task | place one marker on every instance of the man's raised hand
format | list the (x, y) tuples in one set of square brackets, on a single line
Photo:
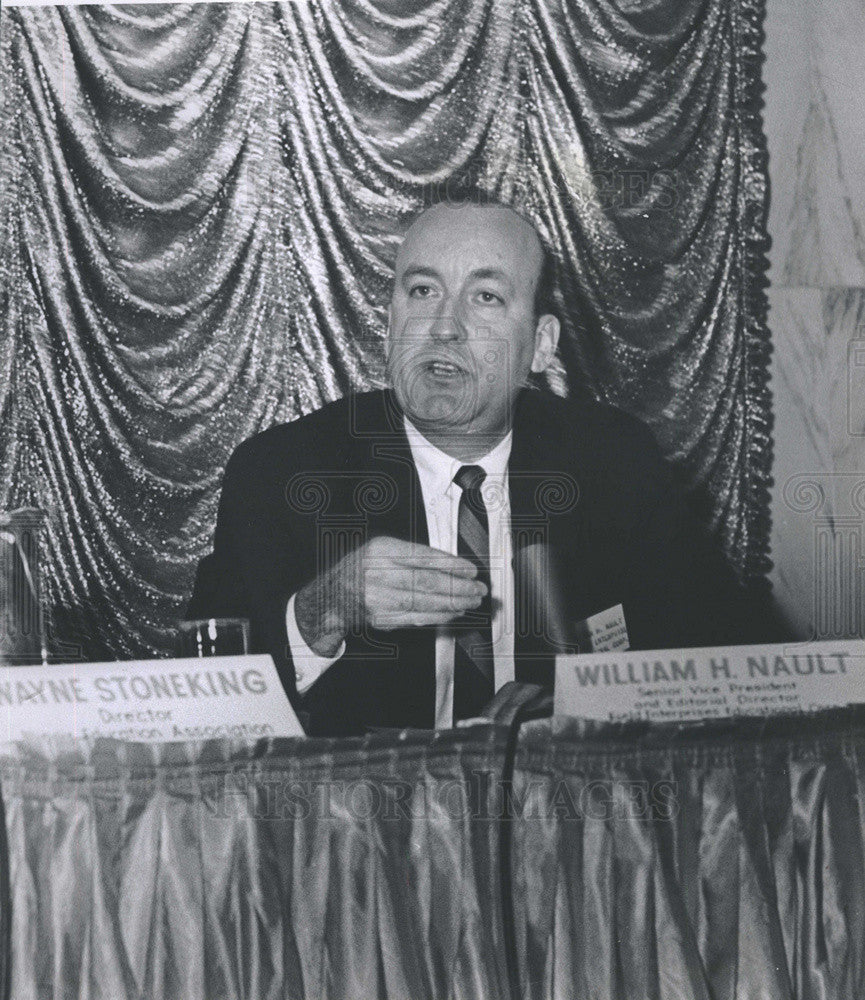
[(385, 584)]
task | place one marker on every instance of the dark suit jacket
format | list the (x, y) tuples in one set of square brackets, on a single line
[(585, 478)]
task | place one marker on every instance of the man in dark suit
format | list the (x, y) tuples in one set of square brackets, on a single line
[(403, 553)]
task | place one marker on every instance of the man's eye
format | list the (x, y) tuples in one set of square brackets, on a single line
[(420, 291), (489, 298)]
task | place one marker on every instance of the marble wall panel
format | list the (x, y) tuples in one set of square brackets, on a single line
[(814, 118), (815, 123), (818, 383)]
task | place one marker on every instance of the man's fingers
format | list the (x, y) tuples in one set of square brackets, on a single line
[(414, 585), (436, 581), (387, 601), (412, 619), (420, 556), (423, 581)]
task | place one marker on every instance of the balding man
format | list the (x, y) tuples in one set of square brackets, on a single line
[(379, 547)]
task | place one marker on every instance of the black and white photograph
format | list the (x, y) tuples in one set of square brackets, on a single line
[(432, 500)]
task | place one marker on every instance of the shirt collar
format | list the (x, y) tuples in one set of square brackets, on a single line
[(438, 468)]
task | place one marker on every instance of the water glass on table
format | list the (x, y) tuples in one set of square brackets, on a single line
[(199, 637)]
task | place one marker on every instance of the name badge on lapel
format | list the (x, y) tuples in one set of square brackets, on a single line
[(604, 632)]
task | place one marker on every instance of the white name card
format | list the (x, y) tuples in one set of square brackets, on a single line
[(147, 701), (686, 685), (607, 630)]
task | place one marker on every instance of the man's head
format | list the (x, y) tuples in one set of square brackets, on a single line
[(465, 326)]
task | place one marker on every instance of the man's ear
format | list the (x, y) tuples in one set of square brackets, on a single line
[(546, 341)]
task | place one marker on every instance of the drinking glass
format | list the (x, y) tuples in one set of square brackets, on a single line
[(198, 637)]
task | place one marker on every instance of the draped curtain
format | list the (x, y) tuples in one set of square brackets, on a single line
[(201, 208)]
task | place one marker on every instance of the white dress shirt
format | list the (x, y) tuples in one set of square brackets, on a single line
[(441, 497)]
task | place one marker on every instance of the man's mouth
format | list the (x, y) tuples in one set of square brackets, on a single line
[(444, 369)]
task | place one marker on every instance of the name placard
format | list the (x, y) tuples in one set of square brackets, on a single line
[(147, 701), (682, 685)]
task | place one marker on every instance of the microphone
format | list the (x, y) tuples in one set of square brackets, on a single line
[(543, 613)]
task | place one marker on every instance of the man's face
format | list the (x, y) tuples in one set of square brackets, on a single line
[(462, 334)]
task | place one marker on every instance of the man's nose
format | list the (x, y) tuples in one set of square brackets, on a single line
[(447, 326)]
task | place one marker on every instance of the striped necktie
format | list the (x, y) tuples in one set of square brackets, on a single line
[(473, 646)]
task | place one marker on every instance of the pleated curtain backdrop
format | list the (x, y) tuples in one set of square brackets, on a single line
[(711, 863), (201, 205)]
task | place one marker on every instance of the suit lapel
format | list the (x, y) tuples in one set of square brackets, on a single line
[(390, 498)]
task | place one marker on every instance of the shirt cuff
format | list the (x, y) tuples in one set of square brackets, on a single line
[(308, 665)]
